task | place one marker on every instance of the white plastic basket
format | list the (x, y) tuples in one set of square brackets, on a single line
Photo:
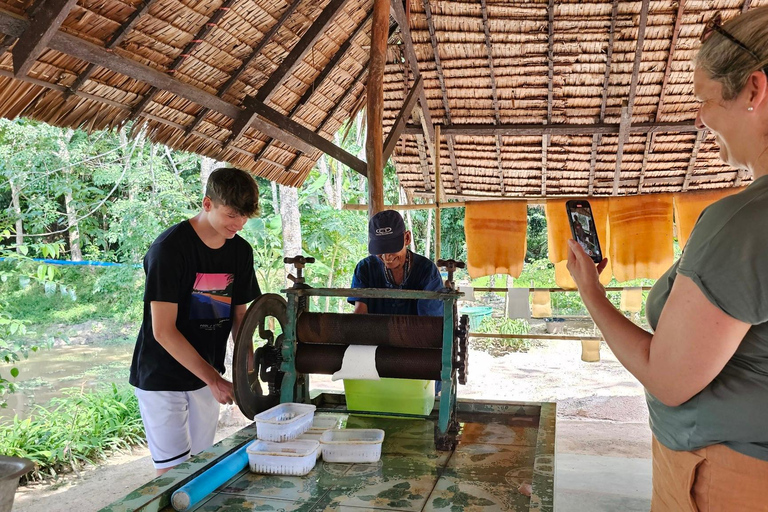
[(311, 435), (295, 458), (284, 422), (352, 445), (321, 423)]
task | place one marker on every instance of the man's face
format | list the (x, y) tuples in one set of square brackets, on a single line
[(395, 260), (226, 221)]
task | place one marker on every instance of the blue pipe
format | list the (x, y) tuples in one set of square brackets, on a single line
[(201, 486), (80, 263)]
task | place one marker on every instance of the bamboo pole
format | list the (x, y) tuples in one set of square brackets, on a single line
[(404, 207), (374, 144), (532, 336), (438, 194)]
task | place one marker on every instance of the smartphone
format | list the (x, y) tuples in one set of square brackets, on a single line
[(583, 227)]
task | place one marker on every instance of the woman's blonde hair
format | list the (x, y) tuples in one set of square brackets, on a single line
[(728, 63)]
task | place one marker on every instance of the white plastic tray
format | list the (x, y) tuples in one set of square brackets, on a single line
[(284, 422), (352, 445), (321, 423), (311, 435), (296, 458)]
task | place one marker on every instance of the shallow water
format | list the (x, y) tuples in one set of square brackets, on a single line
[(45, 373)]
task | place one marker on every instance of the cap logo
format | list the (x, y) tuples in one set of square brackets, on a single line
[(383, 231)]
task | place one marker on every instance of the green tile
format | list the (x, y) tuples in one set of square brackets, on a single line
[(482, 460), (497, 433), (234, 503), (456, 494), (310, 488)]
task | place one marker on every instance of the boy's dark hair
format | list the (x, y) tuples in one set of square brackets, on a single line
[(234, 188)]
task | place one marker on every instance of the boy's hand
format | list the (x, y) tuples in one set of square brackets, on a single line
[(222, 390)]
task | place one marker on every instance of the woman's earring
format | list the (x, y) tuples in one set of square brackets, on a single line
[(750, 109)]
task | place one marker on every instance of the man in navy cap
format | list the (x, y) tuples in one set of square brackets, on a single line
[(392, 265)]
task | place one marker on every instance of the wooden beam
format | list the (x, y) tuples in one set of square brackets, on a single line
[(441, 81), (203, 32), (597, 138), (438, 194), (46, 22), (545, 139), (255, 52), (692, 161), (299, 51), (544, 147), (402, 116), (423, 161), (626, 121), (306, 135), (491, 130), (627, 107), (644, 165), (340, 54), (116, 39), (668, 68), (494, 92), (398, 12), (374, 142)]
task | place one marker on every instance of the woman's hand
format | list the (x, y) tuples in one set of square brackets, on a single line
[(585, 273)]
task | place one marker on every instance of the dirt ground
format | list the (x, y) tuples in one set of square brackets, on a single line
[(601, 411)]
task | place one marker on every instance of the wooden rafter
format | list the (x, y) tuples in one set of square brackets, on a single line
[(402, 116), (626, 121), (556, 129), (280, 127), (299, 51), (255, 108), (398, 12), (545, 139), (331, 113), (116, 39), (596, 138), (6, 43), (644, 165), (46, 22), (340, 54), (670, 58), (494, 92), (441, 81), (204, 30), (626, 110), (692, 161), (423, 161), (255, 52)]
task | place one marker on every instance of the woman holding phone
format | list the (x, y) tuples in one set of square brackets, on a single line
[(705, 367)]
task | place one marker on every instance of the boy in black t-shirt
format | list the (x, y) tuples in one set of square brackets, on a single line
[(200, 278)]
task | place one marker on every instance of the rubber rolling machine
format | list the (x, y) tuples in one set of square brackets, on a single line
[(277, 369)]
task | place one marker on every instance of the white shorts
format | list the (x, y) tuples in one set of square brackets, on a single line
[(178, 424)]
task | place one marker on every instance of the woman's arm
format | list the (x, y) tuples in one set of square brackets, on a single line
[(693, 340)]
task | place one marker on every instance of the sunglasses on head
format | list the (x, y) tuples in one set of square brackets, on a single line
[(715, 25)]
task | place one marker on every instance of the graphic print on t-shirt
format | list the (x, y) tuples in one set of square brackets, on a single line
[(211, 297)]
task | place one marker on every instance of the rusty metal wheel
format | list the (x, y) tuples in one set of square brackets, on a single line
[(256, 358)]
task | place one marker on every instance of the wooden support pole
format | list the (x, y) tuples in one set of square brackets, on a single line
[(438, 193), (374, 144), (692, 161), (399, 125), (44, 24)]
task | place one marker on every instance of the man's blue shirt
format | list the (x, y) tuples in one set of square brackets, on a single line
[(422, 275)]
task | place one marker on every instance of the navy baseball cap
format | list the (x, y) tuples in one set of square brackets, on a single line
[(386, 233)]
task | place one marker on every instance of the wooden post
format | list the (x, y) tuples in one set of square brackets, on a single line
[(374, 144), (438, 192)]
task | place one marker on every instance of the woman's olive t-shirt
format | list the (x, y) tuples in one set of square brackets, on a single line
[(727, 257)]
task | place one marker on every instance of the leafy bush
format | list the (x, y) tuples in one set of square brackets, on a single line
[(79, 428), (502, 325)]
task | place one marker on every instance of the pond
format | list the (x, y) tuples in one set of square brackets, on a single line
[(45, 373)]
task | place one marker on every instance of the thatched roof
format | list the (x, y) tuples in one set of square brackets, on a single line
[(529, 94)]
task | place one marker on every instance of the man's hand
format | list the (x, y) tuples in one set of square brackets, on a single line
[(222, 390)]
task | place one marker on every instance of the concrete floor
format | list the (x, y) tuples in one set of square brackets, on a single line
[(588, 483)]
